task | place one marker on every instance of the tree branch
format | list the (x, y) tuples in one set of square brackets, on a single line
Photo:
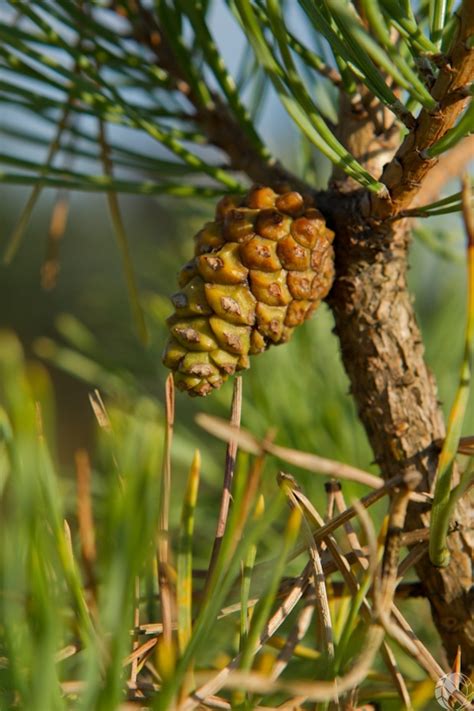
[(381, 344), (404, 175), (218, 122), (450, 166)]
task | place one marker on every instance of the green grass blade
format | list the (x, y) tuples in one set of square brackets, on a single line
[(234, 549), (185, 555), (246, 579), (263, 608)]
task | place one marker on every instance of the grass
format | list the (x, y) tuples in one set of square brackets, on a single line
[(82, 625)]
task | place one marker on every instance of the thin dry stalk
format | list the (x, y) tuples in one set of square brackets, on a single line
[(342, 518), (136, 623), (139, 652), (69, 651), (150, 628), (466, 444), (341, 561), (231, 454), (368, 526), (280, 615), (319, 691), (384, 588), (311, 462), (85, 519), (166, 596), (297, 499), (407, 638), (100, 411), (57, 227), (397, 677), (313, 691), (344, 562), (387, 654), (351, 534), (215, 702), (252, 484), (293, 703), (412, 558), (330, 488), (296, 635), (396, 524)]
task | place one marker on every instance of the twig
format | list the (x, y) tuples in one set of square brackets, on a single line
[(136, 622), (277, 619), (297, 499), (100, 411), (405, 173), (85, 518), (311, 462), (352, 536), (387, 654), (396, 523), (231, 454), (296, 635), (313, 691), (163, 542), (138, 652), (405, 636), (450, 165), (397, 676)]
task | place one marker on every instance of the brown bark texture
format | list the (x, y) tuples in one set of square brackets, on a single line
[(381, 344)]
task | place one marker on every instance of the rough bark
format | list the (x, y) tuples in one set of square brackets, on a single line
[(381, 344), (404, 174), (395, 392)]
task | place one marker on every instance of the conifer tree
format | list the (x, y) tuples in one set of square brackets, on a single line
[(381, 89)]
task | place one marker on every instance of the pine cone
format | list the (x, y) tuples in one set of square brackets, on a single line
[(260, 269)]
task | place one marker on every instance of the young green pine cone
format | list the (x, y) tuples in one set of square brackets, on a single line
[(260, 269)]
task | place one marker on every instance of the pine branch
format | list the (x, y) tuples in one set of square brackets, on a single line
[(449, 166), (405, 173), (217, 121), (380, 340)]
